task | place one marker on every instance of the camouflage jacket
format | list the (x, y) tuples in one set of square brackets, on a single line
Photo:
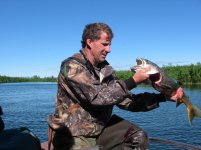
[(86, 96)]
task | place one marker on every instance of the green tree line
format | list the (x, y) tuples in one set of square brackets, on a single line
[(187, 74), (7, 79)]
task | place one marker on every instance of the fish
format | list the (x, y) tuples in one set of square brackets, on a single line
[(166, 85)]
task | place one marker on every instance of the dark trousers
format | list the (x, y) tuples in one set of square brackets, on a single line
[(120, 134)]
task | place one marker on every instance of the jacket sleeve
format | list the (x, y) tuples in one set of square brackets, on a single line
[(86, 89), (142, 102)]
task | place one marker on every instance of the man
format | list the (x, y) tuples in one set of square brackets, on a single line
[(88, 89)]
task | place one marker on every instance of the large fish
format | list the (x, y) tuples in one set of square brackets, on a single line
[(167, 85)]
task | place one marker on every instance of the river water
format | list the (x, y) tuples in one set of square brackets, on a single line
[(29, 104)]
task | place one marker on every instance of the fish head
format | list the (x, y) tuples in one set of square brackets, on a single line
[(143, 64), (156, 75)]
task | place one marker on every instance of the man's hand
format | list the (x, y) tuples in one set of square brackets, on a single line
[(141, 76), (178, 95)]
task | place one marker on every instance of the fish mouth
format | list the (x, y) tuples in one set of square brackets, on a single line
[(140, 61), (139, 65), (135, 68), (144, 63)]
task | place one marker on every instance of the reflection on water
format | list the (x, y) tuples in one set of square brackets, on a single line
[(29, 104)]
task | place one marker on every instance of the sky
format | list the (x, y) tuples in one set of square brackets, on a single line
[(37, 35)]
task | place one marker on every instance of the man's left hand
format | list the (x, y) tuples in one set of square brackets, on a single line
[(178, 95)]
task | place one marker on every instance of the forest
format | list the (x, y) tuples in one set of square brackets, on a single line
[(7, 79), (187, 74)]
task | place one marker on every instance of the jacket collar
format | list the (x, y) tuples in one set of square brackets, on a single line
[(105, 70)]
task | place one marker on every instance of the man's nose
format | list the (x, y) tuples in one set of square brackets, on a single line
[(107, 48)]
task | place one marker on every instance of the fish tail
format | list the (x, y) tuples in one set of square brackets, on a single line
[(193, 111)]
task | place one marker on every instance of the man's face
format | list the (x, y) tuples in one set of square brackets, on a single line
[(100, 48)]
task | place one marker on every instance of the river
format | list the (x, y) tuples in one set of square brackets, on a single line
[(29, 104)]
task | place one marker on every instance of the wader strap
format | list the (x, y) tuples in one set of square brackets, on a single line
[(49, 138)]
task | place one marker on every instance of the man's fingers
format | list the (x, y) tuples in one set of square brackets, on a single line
[(180, 92)]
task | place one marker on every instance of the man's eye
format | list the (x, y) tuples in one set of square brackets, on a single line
[(105, 44)]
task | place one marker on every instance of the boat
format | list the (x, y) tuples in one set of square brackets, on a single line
[(174, 144)]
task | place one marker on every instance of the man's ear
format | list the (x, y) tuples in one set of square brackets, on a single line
[(89, 43)]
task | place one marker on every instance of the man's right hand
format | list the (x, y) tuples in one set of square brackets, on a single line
[(141, 75)]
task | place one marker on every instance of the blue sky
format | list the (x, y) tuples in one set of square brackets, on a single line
[(36, 35)]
